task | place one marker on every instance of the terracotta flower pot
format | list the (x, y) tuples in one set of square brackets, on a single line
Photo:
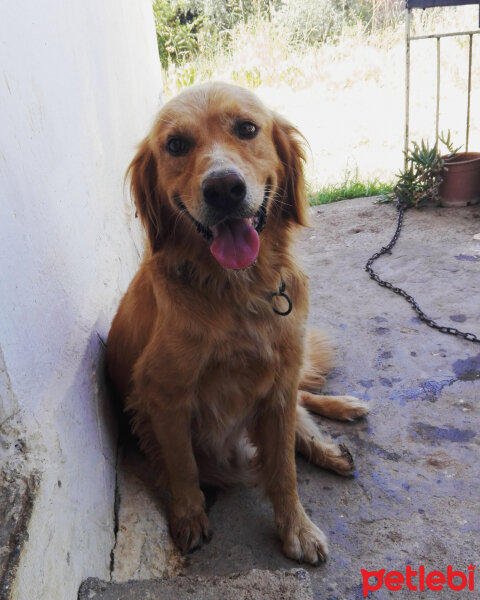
[(461, 180)]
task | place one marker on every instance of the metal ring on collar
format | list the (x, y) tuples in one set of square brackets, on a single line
[(281, 294)]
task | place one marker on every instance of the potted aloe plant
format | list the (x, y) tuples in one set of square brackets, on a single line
[(451, 179), (461, 179)]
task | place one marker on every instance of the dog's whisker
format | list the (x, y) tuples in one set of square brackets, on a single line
[(178, 217)]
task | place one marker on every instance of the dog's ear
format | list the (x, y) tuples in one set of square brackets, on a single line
[(289, 143), (144, 188)]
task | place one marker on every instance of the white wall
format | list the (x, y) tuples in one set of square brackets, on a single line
[(79, 85)]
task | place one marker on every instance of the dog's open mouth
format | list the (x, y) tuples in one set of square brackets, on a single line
[(234, 242)]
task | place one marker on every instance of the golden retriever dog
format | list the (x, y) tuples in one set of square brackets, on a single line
[(209, 349)]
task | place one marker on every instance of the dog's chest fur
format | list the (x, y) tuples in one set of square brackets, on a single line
[(249, 360)]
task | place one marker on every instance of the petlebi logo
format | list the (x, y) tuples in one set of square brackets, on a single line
[(419, 580)]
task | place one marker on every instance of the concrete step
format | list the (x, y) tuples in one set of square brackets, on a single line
[(256, 584)]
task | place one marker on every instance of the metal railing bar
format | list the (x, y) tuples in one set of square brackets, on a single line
[(407, 86), (469, 91), (441, 35), (437, 114)]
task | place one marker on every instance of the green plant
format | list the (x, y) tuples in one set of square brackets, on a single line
[(177, 27), (250, 77), (351, 187), (200, 30), (225, 14), (308, 23), (420, 181)]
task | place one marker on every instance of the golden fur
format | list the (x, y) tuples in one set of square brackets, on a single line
[(206, 369)]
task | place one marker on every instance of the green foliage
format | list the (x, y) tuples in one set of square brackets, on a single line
[(312, 22), (447, 142), (249, 77), (189, 28), (185, 75), (352, 187), (420, 181), (225, 14), (177, 28), (309, 22)]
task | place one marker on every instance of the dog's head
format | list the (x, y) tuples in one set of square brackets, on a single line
[(218, 161)]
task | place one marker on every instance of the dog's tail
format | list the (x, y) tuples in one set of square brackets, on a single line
[(317, 362)]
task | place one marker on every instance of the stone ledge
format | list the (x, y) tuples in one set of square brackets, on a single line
[(253, 585)]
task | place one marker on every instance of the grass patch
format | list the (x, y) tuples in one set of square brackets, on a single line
[(350, 189)]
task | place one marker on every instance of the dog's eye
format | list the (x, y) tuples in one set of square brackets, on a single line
[(246, 130), (177, 146)]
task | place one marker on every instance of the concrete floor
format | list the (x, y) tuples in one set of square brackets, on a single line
[(415, 497)]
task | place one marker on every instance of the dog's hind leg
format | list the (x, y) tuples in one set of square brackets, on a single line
[(323, 453), (341, 408), (318, 361)]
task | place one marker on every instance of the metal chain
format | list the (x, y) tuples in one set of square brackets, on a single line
[(396, 290)]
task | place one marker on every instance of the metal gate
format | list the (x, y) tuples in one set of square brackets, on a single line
[(411, 4)]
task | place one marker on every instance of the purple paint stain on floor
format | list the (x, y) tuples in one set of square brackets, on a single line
[(467, 369), (433, 388), (360, 395), (358, 591), (366, 383), (427, 390), (380, 451), (435, 435), (467, 257), (381, 357)]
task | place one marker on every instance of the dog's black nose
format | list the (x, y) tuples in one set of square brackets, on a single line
[(224, 190)]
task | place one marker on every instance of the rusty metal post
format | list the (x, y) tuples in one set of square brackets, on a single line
[(469, 92), (407, 84), (437, 113)]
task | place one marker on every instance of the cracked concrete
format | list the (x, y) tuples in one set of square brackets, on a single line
[(18, 485), (143, 548), (17, 495), (414, 499)]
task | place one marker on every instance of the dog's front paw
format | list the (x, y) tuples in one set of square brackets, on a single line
[(304, 541), (190, 531)]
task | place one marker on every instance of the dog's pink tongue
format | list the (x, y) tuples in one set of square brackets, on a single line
[(235, 243)]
